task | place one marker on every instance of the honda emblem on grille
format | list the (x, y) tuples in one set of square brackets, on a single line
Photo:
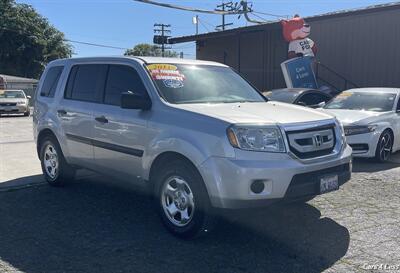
[(317, 140)]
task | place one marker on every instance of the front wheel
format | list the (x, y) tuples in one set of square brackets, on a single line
[(384, 147), (182, 200)]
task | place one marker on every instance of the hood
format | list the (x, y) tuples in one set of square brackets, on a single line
[(257, 112), (354, 116)]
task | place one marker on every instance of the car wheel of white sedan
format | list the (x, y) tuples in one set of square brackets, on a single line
[(384, 148)]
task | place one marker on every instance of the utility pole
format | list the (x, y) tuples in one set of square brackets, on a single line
[(160, 37), (225, 6)]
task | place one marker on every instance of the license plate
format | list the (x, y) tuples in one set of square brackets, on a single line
[(329, 183), (7, 108)]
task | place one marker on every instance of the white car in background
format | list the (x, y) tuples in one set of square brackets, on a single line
[(14, 102), (371, 120)]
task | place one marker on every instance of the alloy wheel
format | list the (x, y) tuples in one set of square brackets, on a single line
[(50, 161), (385, 146), (177, 201)]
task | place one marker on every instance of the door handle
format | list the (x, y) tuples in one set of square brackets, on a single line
[(102, 119), (61, 112)]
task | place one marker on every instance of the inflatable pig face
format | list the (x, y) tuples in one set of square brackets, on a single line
[(295, 29)]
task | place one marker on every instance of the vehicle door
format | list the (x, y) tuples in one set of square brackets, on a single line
[(120, 134), (75, 111)]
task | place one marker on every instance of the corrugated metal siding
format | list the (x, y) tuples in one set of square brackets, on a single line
[(362, 47)]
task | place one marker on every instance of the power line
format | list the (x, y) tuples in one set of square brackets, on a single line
[(165, 5), (272, 15), (67, 40), (259, 17), (93, 44), (200, 21)]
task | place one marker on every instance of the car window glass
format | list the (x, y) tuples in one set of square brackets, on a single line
[(51, 81), (121, 79), (313, 99), (12, 95), (86, 82), (367, 101), (398, 104)]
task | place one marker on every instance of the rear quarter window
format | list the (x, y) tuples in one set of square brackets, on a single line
[(51, 81)]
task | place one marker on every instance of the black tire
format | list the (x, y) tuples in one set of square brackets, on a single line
[(384, 147), (27, 114), (64, 173), (202, 219)]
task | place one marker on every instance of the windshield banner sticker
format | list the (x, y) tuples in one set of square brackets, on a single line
[(165, 72)]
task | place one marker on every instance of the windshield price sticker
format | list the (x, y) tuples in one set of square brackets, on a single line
[(165, 72)]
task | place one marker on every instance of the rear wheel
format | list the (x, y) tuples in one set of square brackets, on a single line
[(56, 170), (182, 200), (384, 147)]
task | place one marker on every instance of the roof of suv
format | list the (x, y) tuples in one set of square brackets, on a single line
[(150, 60)]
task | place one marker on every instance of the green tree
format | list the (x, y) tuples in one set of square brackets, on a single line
[(28, 41), (149, 50)]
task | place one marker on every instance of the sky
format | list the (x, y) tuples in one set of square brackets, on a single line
[(125, 23)]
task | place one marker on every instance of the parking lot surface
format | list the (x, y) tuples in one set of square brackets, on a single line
[(99, 225)]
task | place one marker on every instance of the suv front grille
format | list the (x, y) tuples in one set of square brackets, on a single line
[(8, 104), (312, 142)]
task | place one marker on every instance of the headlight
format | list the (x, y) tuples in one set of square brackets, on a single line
[(357, 130), (21, 102), (256, 138)]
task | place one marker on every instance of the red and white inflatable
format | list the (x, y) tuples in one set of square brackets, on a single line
[(296, 32)]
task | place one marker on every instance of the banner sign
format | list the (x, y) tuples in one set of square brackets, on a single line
[(299, 73)]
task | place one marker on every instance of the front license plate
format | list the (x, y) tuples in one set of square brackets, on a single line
[(8, 108), (329, 183)]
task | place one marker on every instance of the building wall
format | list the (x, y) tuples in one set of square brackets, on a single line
[(255, 54), (362, 47)]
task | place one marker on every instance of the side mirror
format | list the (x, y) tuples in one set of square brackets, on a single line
[(29, 97), (130, 100)]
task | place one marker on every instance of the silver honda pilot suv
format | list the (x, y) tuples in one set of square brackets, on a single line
[(195, 133)]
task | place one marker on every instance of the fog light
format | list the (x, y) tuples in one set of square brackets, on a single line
[(257, 186)]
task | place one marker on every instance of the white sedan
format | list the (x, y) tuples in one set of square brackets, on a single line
[(371, 120)]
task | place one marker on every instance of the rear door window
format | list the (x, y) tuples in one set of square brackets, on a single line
[(122, 78), (86, 82), (51, 81)]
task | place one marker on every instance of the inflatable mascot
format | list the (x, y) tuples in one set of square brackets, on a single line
[(296, 32)]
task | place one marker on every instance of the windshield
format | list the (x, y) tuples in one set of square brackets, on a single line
[(283, 96), (181, 83), (12, 95), (367, 101)]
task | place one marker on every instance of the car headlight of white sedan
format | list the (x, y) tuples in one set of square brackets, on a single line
[(256, 138), (359, 129)]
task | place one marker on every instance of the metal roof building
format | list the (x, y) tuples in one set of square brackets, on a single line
[(355, 48), (18, 83)]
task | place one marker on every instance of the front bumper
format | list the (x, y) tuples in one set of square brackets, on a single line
[(364, 145), (18, 109), (228, 180)]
